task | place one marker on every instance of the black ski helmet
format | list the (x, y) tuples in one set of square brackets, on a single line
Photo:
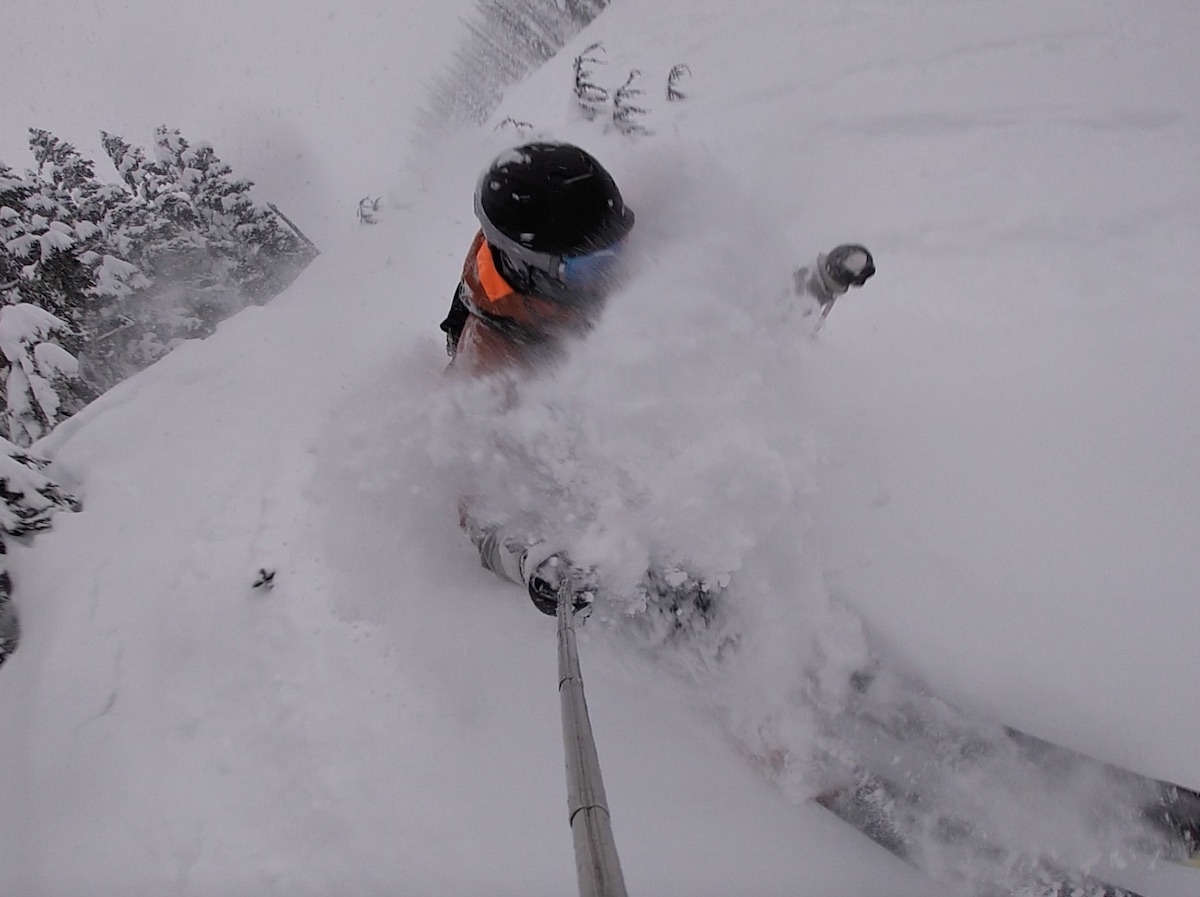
[(542, 203)]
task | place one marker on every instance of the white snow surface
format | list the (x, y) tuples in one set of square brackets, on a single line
[(987, 454)]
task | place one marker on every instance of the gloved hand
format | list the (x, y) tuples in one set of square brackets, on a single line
[(549, 576), (845, 266)]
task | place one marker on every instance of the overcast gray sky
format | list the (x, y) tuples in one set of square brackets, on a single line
[(278, 110)]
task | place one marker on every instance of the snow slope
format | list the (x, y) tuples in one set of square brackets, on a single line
[(986, 453)]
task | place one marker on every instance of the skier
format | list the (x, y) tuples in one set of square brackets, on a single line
[(552, 225)]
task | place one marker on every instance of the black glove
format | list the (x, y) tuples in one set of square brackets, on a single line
[(848, 265), (551, 576)]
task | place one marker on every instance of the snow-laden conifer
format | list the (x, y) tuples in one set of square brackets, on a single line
[(130, 269), (38, 371), (28, 500)]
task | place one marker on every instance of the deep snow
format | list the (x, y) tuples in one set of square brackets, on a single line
[(987, 453)]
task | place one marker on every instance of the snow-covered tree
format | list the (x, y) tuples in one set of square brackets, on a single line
[(124, 271), (28, 500), (48, 289), (13, 191), (96, 212), (93, 209), (38, 371), (39, 237), (69, 265), (206, 246), (188, 287), (265, 254), (30, 497), (142, 177)]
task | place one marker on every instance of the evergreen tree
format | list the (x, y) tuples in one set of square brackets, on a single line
[(266, 253), (13, 191), (96, 274), (30, 497), (46, 288), (69, 181), (100, 280), (39, 237), (38, 372), (164, 233), (152, 232), (29, 500), (207, 247), (96, 212), (143, 178)]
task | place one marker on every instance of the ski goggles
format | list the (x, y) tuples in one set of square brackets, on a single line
[(572, 279), (592, 271)]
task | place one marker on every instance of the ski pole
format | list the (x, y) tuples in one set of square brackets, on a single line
[(596, 862)]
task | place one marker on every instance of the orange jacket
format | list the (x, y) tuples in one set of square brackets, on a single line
[(504, 329)]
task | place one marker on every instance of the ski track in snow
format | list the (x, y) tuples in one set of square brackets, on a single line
[(987, 454)]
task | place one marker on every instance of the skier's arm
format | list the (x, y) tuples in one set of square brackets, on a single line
[(517, 553), (508, 551)]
